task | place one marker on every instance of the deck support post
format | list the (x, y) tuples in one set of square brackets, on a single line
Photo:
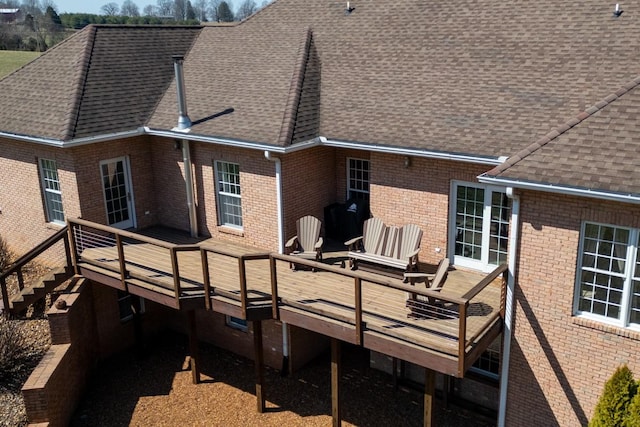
[(335, 382), (259, 364), (193, 347), (394, 370), (429, 396)]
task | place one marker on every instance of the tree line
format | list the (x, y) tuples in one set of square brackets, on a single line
[(38, 26)]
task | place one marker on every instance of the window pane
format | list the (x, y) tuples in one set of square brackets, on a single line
[(358, 182), (604, 254), (51, 189), (229, 198)]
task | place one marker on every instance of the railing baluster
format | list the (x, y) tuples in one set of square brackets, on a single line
[(358, 296), (20, 279), (206, 278), (462, 335), (121, 261), (5, 295), (274, 288), (176, 274), (243, 286)]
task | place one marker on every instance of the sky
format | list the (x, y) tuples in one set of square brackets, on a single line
[(93, 6)]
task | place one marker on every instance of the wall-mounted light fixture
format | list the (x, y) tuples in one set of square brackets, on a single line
[(407, 161), (617, 11), (349, 9)]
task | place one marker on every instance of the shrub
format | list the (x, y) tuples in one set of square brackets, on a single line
[(611, 409), (14, 348), (632, 419), (5, 255)]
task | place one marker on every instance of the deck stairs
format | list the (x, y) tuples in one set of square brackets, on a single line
[(38, 290)]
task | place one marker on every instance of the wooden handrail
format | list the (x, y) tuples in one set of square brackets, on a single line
[(485, 282), (16, 266)]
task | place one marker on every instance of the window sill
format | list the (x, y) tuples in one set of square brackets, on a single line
[(604, 327), (230, 230), (55, 226)]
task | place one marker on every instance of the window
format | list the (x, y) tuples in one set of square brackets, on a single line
[(488, 364), (228, 189), (358, 179), (237, 323), (481, 214), (608, 278), (126, 303), (51, 190)]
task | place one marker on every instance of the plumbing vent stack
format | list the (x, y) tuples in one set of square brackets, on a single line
[(184, 123)]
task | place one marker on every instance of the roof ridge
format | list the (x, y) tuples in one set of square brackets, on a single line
[(257, 12), (559, 130), (78, 93), (293, 98)]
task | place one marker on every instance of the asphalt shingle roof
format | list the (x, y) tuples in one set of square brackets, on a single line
[(103, 79), (480, 78), (596, 150)]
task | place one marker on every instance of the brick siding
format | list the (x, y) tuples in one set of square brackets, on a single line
[(560, 363)]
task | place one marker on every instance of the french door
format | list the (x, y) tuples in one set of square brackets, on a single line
[(116, 186)]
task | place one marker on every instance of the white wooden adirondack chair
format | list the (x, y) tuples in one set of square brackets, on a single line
[(307, 243)]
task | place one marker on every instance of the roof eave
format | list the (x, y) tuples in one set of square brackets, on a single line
[(561, 189), (52, 142)]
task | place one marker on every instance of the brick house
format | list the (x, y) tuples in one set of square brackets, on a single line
[(505, 132)]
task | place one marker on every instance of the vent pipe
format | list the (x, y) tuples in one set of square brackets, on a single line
[(184, 123)]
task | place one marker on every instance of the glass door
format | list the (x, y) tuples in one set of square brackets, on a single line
[(116, 185)]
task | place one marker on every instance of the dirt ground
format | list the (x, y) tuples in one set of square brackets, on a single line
[(156, 390)]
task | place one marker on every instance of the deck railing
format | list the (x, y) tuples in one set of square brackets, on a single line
[(87, 235), (447, 307), (17, 267)]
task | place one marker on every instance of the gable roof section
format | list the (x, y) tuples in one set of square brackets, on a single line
[(104, 79), (596, 153), (240, 83)]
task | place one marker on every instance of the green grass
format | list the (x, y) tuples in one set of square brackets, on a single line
[(12, 60)]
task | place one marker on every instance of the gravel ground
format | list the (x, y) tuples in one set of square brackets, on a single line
[(156, 390)]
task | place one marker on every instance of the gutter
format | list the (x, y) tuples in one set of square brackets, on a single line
[(74, 142), (510, 300), (429, 154), (559, 189)]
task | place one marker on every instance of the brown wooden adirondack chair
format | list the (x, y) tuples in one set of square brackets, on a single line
[(433, 282), (307, 243)]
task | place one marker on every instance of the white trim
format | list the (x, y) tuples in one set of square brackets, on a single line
[(348, 171), (509, 302), (623, 321), (562, 189), (229, 321), (483, 263), (74, 142), (46, 192), (221, 219), (129, 187)]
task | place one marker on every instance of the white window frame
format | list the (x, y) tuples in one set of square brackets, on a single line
[(488, 357), (483, 263), (351, 191), (220, 194), (632, 263), (51, 190)]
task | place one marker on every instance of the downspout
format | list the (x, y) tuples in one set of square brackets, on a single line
[(285, 328), (184, 125), (188, 181), (509, 301)]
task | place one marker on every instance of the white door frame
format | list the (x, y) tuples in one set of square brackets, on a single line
[(131, 221)]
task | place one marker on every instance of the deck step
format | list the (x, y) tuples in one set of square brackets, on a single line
[(39, 289)]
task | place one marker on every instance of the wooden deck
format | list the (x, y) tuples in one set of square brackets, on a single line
[(360, 307)]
